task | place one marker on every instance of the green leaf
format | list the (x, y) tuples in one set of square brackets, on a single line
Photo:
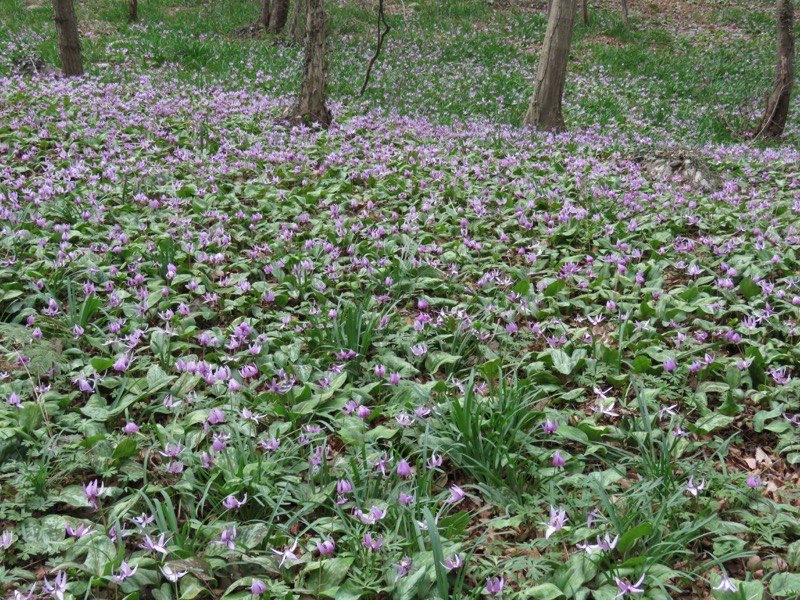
[(749, 288), (712, 422), (100, 364), (630, 537), (72, 495), (125, 449), (436, 360), (543, 591), (641, 364), (785, 585), (96, 408)]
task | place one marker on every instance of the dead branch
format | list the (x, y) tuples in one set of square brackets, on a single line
[(381, 36)]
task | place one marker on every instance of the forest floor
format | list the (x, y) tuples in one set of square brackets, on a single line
[(426, 353)]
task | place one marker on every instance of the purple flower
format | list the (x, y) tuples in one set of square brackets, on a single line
[(216, 416), (558, 460), (228, 538), (232, 503), (92, 492), (373, 544), (695, 488), (754, 481), (122, 363), (172, 574), (495, 585), (257, 587), (453, 562), (130, 428), (286, 554), (434, 461), (726, 585), (405, 499), (58, 587), (670, 365), (403, 468), (629, 588), (14, 400), (549, 427), (80, 531), (456, 495), (125, 571), (6, 540), (558, 518), (404, 567), (326, 547), (159, 545)]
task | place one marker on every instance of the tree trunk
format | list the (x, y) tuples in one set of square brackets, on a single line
[(777, 112), (279, 15), (586, 12), (625, 12), (133, 10), (309, 107), (295, 31), (544, 110), (69, 43), (263, 16)]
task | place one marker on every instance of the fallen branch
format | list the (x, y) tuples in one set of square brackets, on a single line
[(381, 36)]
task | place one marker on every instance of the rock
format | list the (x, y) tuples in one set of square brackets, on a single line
[(679, 165)]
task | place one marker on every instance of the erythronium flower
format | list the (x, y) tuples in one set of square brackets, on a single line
[(550, 427), (456, 495), (695, 488), (726, 585), (403, 468), (373, 544), (228, 537), (17, 595), (629, 588), (257, 587), (754, 481), (80, 531), (125, 571), (558, 518), (58, 587), (6, 539), (495, 585), (558, 460), (453, 562), (404, 567), (286, 554), (434, 461), (171, 574), (232, 503), (92, 491), (326, 547), (670, 365), (159, 545), (605, 409)]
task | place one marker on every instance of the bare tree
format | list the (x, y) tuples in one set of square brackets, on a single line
[(625, 12), (263, 15), (309, 107), (295, 31), (544, 110), (69, 42), (777, 112), (586, 12), (133, 10), (278, 15)]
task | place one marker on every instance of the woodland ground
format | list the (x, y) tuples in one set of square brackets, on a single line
[(426, 353)]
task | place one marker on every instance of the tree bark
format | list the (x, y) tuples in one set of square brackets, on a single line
[(586, 12), (625, 12), (776, 114), (133, 10), (544, 110), (294, 29), (69, 43), (278, 16), (309, 107), (263, 16)]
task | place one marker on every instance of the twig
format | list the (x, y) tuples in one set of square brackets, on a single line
[(381, 36)]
